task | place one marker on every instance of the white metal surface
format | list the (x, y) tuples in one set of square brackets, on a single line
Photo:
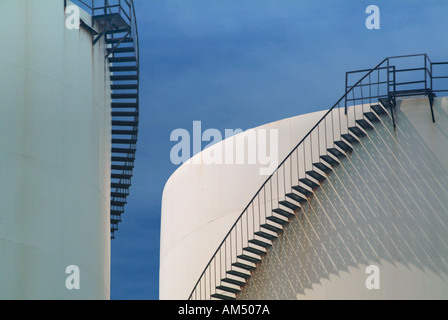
[(54, 155), (385, 205)]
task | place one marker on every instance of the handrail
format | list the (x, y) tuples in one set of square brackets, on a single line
[(338, 121)]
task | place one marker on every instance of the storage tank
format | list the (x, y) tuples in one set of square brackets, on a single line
[(356, 209), (55, 155)]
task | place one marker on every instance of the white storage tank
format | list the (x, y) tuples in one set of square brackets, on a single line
[(55, 151)]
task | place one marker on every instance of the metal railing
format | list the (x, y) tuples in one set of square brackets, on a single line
[(354, 106)]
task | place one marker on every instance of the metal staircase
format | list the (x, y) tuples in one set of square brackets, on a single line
[(117, 21), (368, 101)]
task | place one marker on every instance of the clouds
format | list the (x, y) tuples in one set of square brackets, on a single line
[(239, 64)]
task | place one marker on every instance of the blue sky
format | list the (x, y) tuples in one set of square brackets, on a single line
[(240, 64)]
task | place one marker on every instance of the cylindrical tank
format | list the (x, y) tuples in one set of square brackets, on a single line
[(375, 229), (55, 142)]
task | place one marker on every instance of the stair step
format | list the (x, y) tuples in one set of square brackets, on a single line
[(249, 258), (233, 281), (302, 190), (364, 124), (243, 266), (118, 195), (123, 123), (260, 243), (122, 50), (122, 168), (322, 167), (288, 203), (120, 185), (239, 274), (222, 297), (124, 95), (338, 154), (272, 228), (121, 30), (124, 86), (379, 110), (124, 150), (124, 105), (296, 197), (316, 175), (124, 141), (357, 131), (283, 213), (350, 138), (266, 235), (277, 220), (122, 159), (309, 183), (344, 146), (385, 102), (121, 176), (121, 39), (117, 203), (124, 78), (122, 59), (371, 116), (122, 69), (330, 160), (228, 289), (255, 251), (124, 132)]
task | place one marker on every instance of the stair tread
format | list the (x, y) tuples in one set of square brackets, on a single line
[(364, 124), (378, 109), (336, 153), (289, 203), (350, 138), (233, 281), (271, 228), (283, 213), (260, 243), (322, 167), (314, 174), (239, 274), (330, 160), (254, 251), (277, 220), (302, 190), (309, 183), (243, 266), (357, 131), (371, 116), (296, 197), (344, 146), (249, 258), (266, 235)]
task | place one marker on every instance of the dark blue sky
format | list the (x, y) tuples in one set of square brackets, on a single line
[(240, 64)]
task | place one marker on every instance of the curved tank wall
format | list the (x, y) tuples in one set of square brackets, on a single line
[(202, 201), (55, 138), (386, 205)]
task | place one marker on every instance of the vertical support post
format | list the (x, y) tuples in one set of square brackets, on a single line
[(346, 90)]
